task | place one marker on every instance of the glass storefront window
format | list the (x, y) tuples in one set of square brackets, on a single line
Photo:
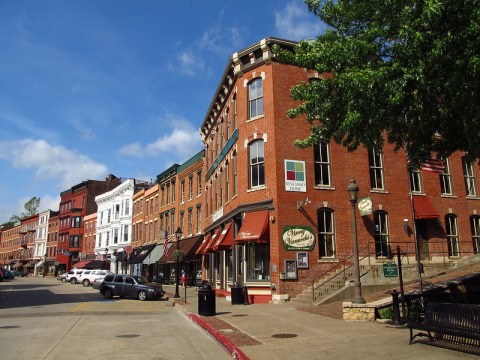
[(257, 261), (229, 260)]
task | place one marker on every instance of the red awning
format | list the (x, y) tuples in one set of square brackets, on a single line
[(423, 208), (81, 264), (225, 240), (209, 247), (254, 227), (202, 246)]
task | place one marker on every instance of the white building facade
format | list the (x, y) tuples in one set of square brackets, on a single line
[(114, 223), (40, 244)]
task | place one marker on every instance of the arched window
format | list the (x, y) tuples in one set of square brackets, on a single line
[(255, 98), (451, 228), (256, 164), (382, 238), (326, 233)]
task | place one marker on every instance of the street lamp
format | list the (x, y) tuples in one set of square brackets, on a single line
[(45, 265), (353, 195), (178, 235)]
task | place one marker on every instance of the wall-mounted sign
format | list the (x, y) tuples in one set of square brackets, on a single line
[(295, 176), (365, 206), (298, 238), (390, 269)]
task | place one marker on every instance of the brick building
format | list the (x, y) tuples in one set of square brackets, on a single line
[(278, 218), (75, 204)]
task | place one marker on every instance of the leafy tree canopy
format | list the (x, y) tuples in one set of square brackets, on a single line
[(403, 70), (31, 208)]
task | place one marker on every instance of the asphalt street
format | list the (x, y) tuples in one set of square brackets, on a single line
[(42, 318)]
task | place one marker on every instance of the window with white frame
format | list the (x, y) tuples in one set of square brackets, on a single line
[(415, 181), (115, 236), (227, 181), (469, 178), (326, 233), (255, 98), (375, 162), (182, 191), (451, 228), (446, 180), (256, 164), (322, 163), (199, 183), (382, 239), (475, 227), (199, 219), (190, 222), (234, 160), (190, 187)]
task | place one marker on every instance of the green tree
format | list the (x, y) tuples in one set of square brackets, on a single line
[(31, 208), (402, 70)]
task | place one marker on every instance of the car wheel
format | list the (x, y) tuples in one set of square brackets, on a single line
[(64, 280), (107, 294), (142, 295), (73, 281), (86, 282)]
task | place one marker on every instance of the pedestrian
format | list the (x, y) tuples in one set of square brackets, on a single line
[(184, 279)]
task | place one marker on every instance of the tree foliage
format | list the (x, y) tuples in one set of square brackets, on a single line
[(403, 70), (31, 208)]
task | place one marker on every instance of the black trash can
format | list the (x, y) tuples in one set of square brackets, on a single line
[(237, 294), (206, 300)]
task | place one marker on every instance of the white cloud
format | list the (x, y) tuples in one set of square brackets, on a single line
[(51, 162), (48, 203), (182, 142), (294, 22), (189, 63)]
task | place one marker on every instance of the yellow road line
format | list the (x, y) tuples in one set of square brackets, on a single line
[(78, 307)]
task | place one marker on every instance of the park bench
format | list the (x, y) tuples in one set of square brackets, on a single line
[(454, 326)]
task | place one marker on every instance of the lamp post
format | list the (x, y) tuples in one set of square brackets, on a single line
[(45, 265), (353, 195), (178, 235)]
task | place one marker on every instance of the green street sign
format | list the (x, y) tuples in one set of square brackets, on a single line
[(390, 269)]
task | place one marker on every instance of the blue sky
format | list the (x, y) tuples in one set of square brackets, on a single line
[(89, 88)]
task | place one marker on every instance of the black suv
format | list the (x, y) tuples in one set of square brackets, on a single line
[(130, 286)]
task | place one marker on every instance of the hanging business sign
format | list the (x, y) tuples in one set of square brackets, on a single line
[(365, 206), (295, 176), (297, 237)]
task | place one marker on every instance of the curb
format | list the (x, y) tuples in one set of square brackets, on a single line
[(235, 352)]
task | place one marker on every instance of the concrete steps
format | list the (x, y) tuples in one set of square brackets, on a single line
[(325, 287)]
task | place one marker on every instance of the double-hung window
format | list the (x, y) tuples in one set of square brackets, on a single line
[(326, 233), (322, 163), (375, 162), (256, 164), (255, 98), (415, 181), (382, 242), (470, 186), (451, 228), (446, 180), (475, 226)]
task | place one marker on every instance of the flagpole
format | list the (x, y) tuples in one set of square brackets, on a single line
[(417, 250)]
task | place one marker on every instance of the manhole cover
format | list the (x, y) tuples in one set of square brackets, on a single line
[(237, 315), (284, 336), (9, 327), (128, 336)]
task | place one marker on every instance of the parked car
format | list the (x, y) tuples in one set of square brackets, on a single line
[(17, 273), (73, 275), (88, 276), (130, 286), (1, 275), (8, 275), (96, 283)]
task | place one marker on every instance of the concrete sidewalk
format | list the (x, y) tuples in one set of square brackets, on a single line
[(279, 331)]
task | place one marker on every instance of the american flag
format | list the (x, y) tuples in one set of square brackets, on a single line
[(168, 240), (432, 165)]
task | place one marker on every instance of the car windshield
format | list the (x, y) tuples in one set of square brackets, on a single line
[(141, 280)]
